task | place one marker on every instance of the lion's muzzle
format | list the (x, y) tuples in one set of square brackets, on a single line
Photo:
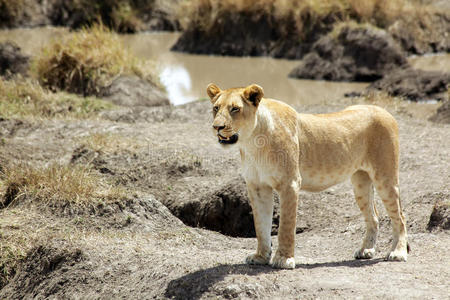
[(228, 140)]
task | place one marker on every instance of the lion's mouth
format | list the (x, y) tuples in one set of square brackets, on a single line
[(228, 140)]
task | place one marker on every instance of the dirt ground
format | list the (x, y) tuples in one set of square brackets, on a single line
[(139, 250)]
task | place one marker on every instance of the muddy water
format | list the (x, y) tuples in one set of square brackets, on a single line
[(186, 76)]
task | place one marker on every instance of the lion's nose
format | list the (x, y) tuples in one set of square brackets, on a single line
[(218, 127)]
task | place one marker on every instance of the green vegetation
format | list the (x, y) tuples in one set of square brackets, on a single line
[(87, 61), (26, 98)]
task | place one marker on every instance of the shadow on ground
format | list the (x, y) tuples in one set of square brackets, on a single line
[(194, 285)]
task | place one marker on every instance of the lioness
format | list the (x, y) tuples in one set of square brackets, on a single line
[(285, 151)]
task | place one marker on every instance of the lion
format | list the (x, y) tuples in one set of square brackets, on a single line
[(286, 151)]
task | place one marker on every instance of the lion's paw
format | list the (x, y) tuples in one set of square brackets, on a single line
[(256, 259), (397, 255), (282, 262), (365, 253)]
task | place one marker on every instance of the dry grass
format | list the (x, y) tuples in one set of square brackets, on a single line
[(12, 251), (26, 98), (119, 15), (384, 100), (110, 143), (305, 13), (337, 27), (123, 18), (87, 61), (56, 184), (22, 227)]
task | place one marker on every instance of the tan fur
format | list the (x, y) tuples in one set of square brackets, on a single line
[(285, 151)]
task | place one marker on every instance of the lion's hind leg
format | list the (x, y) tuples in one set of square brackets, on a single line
[(389, 194), (363, 190)]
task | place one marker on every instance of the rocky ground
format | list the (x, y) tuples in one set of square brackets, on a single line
[(171, 165)]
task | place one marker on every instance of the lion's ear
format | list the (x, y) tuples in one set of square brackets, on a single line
[(253, 93), (212, 91)]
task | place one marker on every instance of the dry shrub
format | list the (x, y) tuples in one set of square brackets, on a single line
[(124, 19), (305, 13), (88, 61), (26, 98), (56, 184), (119, 15)]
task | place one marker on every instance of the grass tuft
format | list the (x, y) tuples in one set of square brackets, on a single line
[(26, 98), (11, 254), (87, 61), (56, 184)]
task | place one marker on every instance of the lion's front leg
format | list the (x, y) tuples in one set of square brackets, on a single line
[(284, 257), (261, 200)]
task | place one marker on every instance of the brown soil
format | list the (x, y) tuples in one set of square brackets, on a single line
[(138, 249)]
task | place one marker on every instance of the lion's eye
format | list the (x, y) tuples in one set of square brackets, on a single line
[(215, 108), (235, 109)]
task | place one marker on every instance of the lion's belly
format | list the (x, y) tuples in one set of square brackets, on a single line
[(315, 181)]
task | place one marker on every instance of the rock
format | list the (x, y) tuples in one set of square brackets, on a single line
[(355, 54), (132, 91), (226, 210), (12, 61), (414, 84), (442, 114), (440, 216)]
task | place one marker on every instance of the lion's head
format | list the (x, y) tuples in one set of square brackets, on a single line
[(234, 111)]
